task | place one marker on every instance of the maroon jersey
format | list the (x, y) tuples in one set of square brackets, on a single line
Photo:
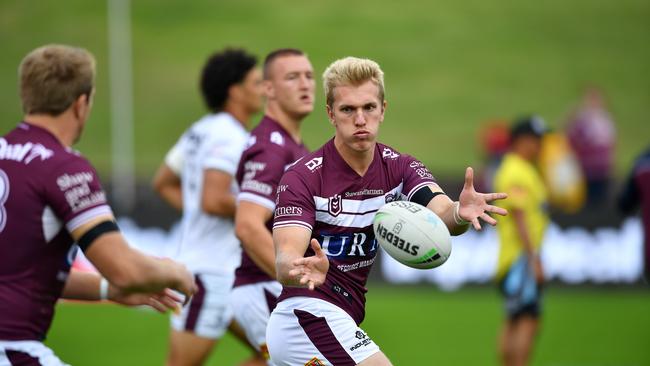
[(269, 152), (324, 195), (46, 191)]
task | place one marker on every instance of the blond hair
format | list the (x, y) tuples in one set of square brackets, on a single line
[(52, 77), (352, 71)]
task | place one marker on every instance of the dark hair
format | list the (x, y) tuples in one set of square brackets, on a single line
[(528, 126), (221, 71), (281, 52)]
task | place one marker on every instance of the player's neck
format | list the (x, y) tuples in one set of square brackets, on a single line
[(58, 126), (290, 123), (359, 161), (239, 112)]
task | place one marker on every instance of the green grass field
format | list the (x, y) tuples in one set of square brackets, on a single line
[(449, 65), (413, 326)]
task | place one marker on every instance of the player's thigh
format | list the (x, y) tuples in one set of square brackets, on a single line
[(188, 349), (209, 312), (308, 331), (252, 306)]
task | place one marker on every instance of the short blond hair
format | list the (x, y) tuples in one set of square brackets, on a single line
[(52, 77), (352, 71)]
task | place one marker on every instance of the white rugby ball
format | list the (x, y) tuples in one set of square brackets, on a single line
[(412, 234)]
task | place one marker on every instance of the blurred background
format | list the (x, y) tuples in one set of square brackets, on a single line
[(457, 72)]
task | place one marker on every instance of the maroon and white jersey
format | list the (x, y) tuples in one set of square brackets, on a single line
[(46, 191), (324, 195), (270, 151)]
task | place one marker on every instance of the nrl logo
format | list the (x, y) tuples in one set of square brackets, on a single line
[(334, 205)]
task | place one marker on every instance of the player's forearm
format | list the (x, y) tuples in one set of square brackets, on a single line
[(81, 286), (173, 196), (445, 209), (223, 205), (258, 243), (284, 264), (522, 231)]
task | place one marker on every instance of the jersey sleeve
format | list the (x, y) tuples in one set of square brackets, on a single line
[(175, 158), (415, 175), (262, 170), (294, 203), (223, 154), (73, 191)]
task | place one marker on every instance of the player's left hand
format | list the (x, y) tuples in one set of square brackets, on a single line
[(474, 205), (161, 302), (311, 271)]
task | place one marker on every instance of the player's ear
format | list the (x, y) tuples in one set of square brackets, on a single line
[(269, 90), (384, 104), (330, 114), (81, 106)]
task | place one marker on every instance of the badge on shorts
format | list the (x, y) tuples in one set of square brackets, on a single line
[(315, 362)]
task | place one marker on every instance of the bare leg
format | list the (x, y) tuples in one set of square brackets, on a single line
[(506, 346), (257, 359), (526, 330), (188, 349)]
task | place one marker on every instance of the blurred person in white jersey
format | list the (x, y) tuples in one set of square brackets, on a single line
[(52, 204), (274, 145), (322, 230), (197, 177)]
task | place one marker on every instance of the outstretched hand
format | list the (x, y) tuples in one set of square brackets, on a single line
[(311, 271), (474, 205), (161, 302)]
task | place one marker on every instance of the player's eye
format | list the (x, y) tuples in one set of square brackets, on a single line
[(346, 109), (369, 107)]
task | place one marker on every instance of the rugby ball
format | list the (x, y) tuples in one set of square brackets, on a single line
[(412, 234)]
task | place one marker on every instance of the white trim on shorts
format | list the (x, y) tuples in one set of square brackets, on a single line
[(251, 305), (209, 312), (35, 349), (309, 331)]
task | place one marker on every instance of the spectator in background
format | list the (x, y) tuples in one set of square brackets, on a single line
[(494, 138), (636, 192), (592, 136), (519, 268)]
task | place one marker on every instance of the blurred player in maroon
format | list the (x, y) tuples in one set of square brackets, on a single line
[(273, 146), (636, 192), (50, 199), (322, 229)]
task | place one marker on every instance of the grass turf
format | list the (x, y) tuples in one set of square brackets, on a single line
[(449, 65), (413, 325)]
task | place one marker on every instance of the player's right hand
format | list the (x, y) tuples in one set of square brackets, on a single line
[(311, 271)]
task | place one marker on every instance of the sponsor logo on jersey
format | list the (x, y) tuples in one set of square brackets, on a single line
[(288, 211), (77, 191), (348, 245), (314, 163), (23, 152), (365, 192), (365, 340), (276, 138), (335, 205), (392, 197), (256, 186), (388, 153)]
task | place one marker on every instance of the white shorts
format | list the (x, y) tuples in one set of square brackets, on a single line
[(27, 353), (209, 313), (305, 331), (252, 305)]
